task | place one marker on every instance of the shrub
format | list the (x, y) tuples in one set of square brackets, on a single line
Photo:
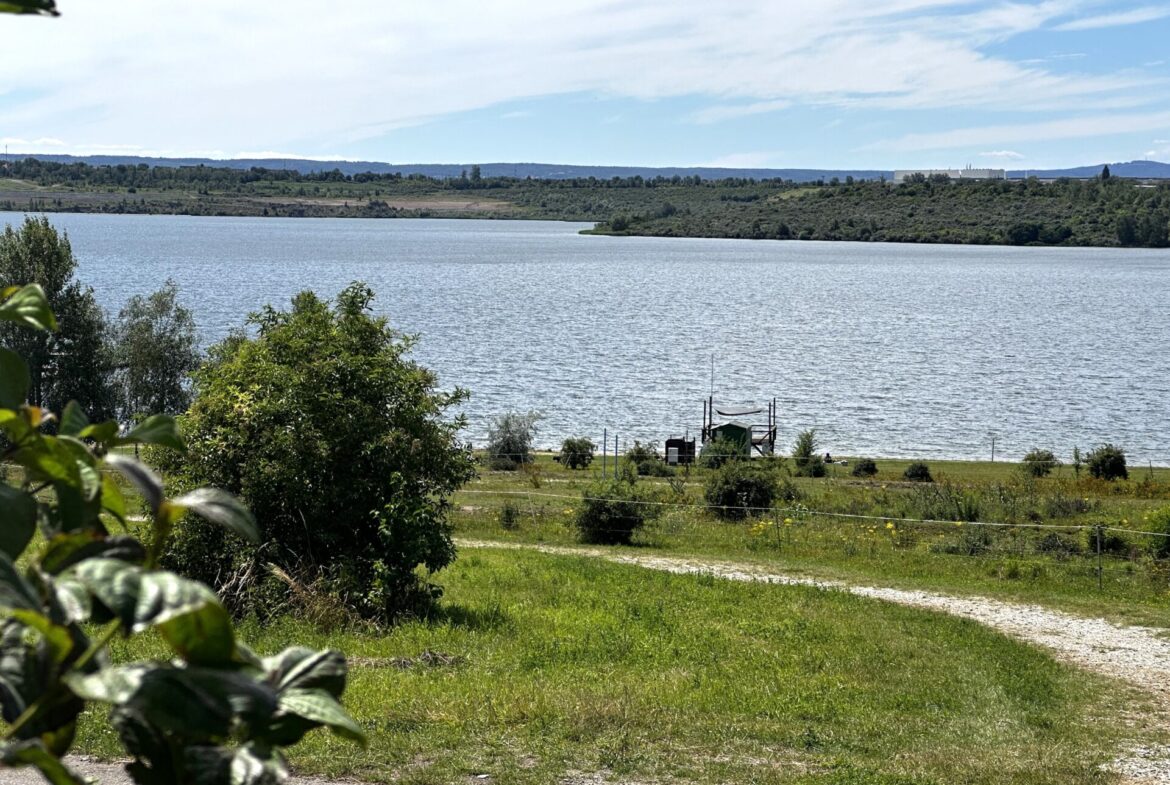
[(805, 455), (576, 453), (610, 513), (207, 708), (1107, 462), (719, 451), (1159, 524), (510, 440), (509, 516), (1040, 463), (740, 489), (322, 393), (917, 472), (646, 460), (864, 467)]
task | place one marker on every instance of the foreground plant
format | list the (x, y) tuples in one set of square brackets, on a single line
[(215, 713)]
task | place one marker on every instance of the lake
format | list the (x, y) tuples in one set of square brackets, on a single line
[(907, 350)]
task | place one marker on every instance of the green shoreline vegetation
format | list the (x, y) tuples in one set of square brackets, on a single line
[(1103, 212)]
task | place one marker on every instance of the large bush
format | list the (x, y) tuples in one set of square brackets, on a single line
[(337, 440), (719, 451), (1107, 462), (917, 472), (510, 440), (741, 489), (1040, 463), (576, 453), (206, 710), (611, 511), (864, 467)]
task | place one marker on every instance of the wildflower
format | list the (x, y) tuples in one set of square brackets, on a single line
[(958, 523), (889, 525)]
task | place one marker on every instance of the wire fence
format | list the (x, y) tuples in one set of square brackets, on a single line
[(1119, 559)]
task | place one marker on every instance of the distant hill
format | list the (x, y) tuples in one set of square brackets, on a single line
[(1139, 170), (538, 171)]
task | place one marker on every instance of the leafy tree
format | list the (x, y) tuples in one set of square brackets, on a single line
[(1107, 462), (72, 363), (154, 353), (510, 440), (210, 710), (577, 453), (1105, 175), (338, 440)]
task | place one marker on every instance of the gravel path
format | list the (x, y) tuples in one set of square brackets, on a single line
[(1137, 655)]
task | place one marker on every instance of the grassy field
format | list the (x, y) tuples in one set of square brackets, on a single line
[(547, 669), (843, 527)]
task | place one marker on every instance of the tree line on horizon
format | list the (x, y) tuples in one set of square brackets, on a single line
[(1104, 211)]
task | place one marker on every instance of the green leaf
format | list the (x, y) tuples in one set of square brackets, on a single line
[(73, 420), (66, 550), (14, 379), (221, 508), (196, 702), (33, 753), (105, 433), (321, 707), (15, 592), (251, 764), (114, 583), (142, 478), (74, 600), (57, 638), (18, 511), (28, 304), (189, 616), (113, 501), (298, 667), (159, 429)]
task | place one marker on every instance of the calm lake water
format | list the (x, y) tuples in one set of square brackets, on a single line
[(885, 349)]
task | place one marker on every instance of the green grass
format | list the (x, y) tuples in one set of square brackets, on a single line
[(1054, 567), (567, 665)]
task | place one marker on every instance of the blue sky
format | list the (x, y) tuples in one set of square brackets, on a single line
[(814, 83)]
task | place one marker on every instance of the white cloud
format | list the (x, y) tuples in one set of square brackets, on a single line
[(284, 74), (1007, 155), (720, 112), (1122, 18), (1066, 128)]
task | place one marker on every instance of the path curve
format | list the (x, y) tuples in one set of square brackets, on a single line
[(1137, 655)]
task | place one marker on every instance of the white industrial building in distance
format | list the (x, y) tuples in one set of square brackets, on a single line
[(955, 174)]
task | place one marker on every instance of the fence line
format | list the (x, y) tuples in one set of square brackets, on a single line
[(826, 513)]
